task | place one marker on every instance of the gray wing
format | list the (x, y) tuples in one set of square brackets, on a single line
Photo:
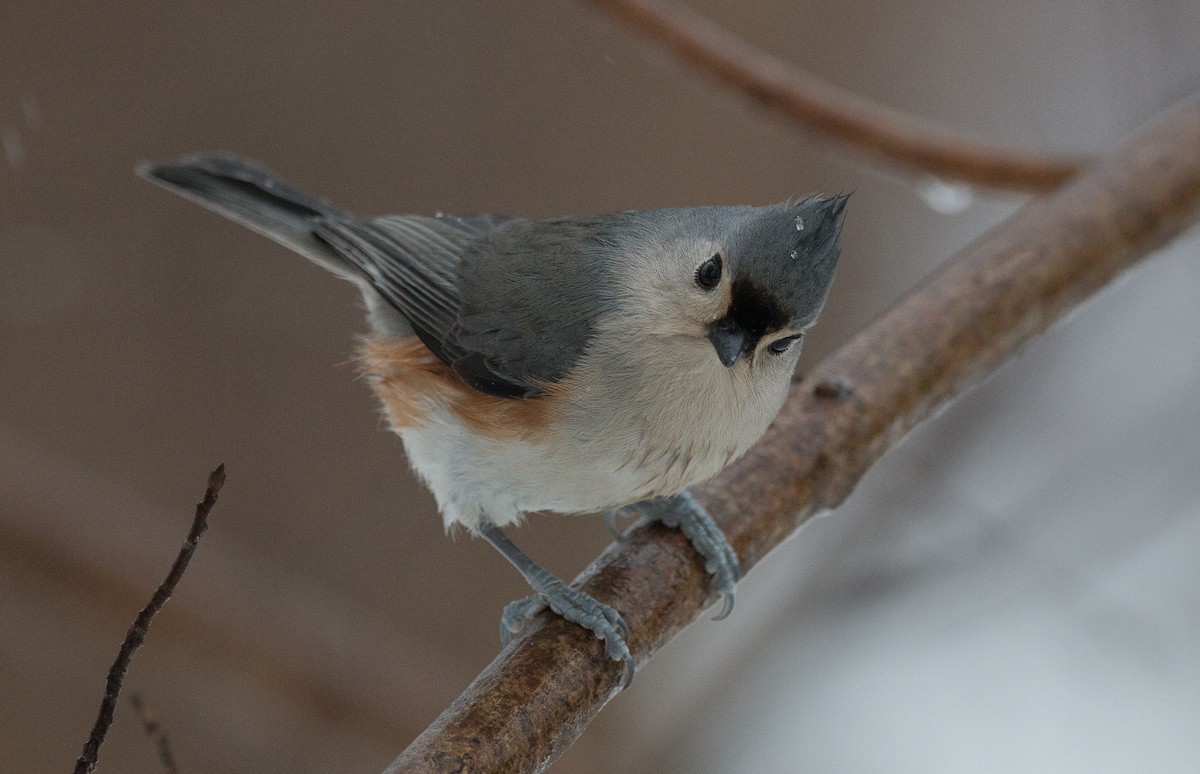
[(412, 261), (530, 300), (477, 290)]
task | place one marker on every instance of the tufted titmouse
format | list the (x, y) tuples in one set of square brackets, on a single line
[(577, 364)]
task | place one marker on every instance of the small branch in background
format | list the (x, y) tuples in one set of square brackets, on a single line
[(137, 631), (156, 733), (1012, 283), (821, 107)]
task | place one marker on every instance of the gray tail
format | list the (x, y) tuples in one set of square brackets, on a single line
[(255, 197)]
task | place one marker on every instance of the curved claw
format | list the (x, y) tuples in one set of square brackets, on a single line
[(727, 607), (517, 614), (723, 565), (629, 670)]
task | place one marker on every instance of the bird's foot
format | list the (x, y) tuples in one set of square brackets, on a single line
[(577, 607), (572, 604), (682, 512)]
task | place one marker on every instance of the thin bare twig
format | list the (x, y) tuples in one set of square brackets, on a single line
[(539, 694), (137, 631), (821, 107), (104, 554), (156, 733)]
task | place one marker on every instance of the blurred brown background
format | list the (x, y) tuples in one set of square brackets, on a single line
[(1014, 589)]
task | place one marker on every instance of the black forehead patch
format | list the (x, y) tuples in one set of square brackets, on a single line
[(754, 309)]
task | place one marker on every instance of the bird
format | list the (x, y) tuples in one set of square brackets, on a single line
[(581, 364)]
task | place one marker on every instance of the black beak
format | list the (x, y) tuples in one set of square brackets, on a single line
[(728, 339)]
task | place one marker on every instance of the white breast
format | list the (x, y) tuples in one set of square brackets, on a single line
[(664, 421)]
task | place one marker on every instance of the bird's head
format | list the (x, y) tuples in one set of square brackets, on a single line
[(748, 282)]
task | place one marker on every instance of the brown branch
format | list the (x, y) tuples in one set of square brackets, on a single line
[(137, 631), (821, 107), (537, 696)]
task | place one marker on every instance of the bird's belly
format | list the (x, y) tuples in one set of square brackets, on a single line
[(477, 479)]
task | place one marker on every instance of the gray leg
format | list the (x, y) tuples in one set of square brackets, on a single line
[(689, 517), (571, 604), (610, 521)]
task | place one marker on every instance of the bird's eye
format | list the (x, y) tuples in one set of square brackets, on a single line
[(708, 274), (779, 346)]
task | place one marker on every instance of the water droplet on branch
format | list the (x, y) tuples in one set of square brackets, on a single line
[(943, 197)]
